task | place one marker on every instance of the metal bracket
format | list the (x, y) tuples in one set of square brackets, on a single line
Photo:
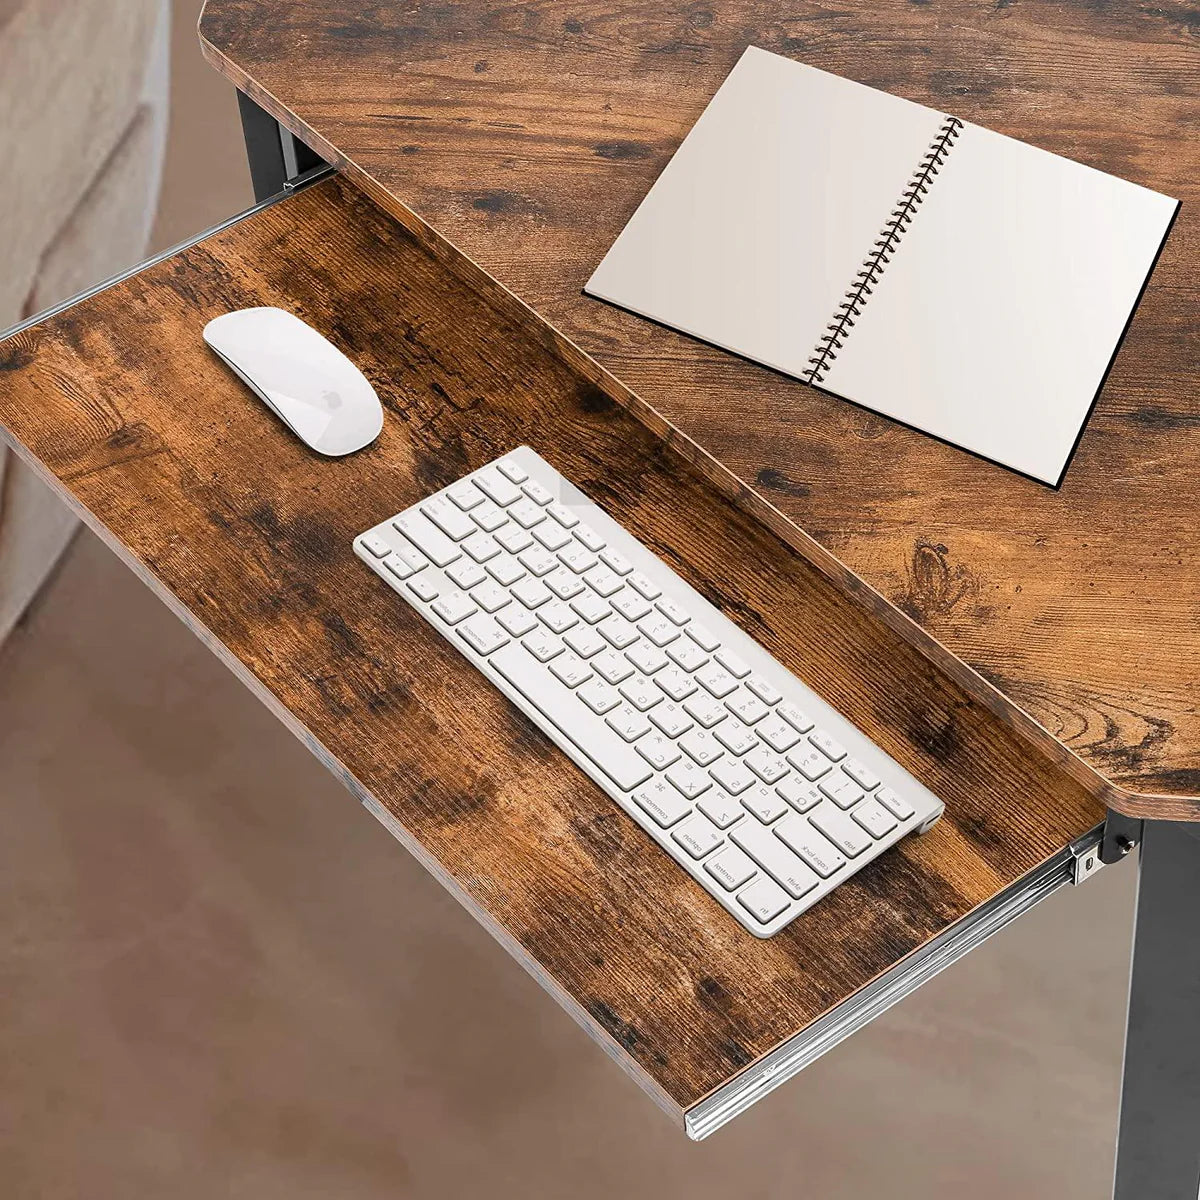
[(276, 156), (1117, 837), (1085, 853), (1121, 834)]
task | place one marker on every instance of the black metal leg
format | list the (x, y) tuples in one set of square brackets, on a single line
[(1158, 1146), (275, 156)]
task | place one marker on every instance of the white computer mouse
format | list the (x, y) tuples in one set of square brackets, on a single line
[(322, 397)]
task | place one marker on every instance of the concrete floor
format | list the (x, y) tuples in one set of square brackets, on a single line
[(221, 978)]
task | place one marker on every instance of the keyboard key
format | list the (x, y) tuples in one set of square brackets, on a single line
[(537, 561), (644, 586), (631, 606), (505, 569), (646, 658), (894, 803), (427, 538), (816, 849), (730, 661), (466, 495), (841, 789), (827, 745), (665, 806), (619, 632), (413, 559), (514, 539), (720, 807), (563, 584), (764, 803), (602, 581), (731, 868), (511, 469), (551, 535), (732, 776), (687, 654), (493, 485), (671, 719), (674, 612), (481, 546), (490, 596), (578, 558), (598, 696), (612, 667), (585, 641), (701, 747), (777, 733), (675, 683), (397, 567), (466, 573), (424, 588), (749, 708), (846, 834), (763, 900), (641, 693), (861, 774), (517, 620), (874, 818), (659, 630), (555, 702), (454, 607), (589, 537), (769, 852), (800, 795), (482, 634), (590, 607), (767, 766), (527, 514), (703, 636), (452, 521), (628, 722), (531, 593), (542, 645), (536, 493), (488, 517), (658, 751), (571, 669), (705, 709), (375, 545), (810, 762), (698, 836), (796, 717), (716, 680), (563, 515), (689, 779), (764, 689), (614, 560), (557, 617), (735, 737)]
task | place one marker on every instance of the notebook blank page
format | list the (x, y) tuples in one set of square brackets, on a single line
[(758, 224), (994, 323)]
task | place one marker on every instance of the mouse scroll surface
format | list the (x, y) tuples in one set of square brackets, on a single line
[(308, 382)]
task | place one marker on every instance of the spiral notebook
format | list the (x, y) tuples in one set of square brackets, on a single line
[(964, 283)]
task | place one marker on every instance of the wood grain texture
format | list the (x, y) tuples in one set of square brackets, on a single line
[(523, 136), (248, 536)]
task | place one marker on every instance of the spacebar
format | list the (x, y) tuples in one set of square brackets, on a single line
[(559, 705)]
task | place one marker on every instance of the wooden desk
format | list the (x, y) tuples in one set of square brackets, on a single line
[(524, 137), (247, 535), (253, 551)]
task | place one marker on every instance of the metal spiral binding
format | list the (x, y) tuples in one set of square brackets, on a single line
[(884, 247)]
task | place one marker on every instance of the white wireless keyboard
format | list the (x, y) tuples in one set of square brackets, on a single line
[(754, 785)]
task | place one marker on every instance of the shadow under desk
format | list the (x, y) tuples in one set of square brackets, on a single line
[(247, 535)]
